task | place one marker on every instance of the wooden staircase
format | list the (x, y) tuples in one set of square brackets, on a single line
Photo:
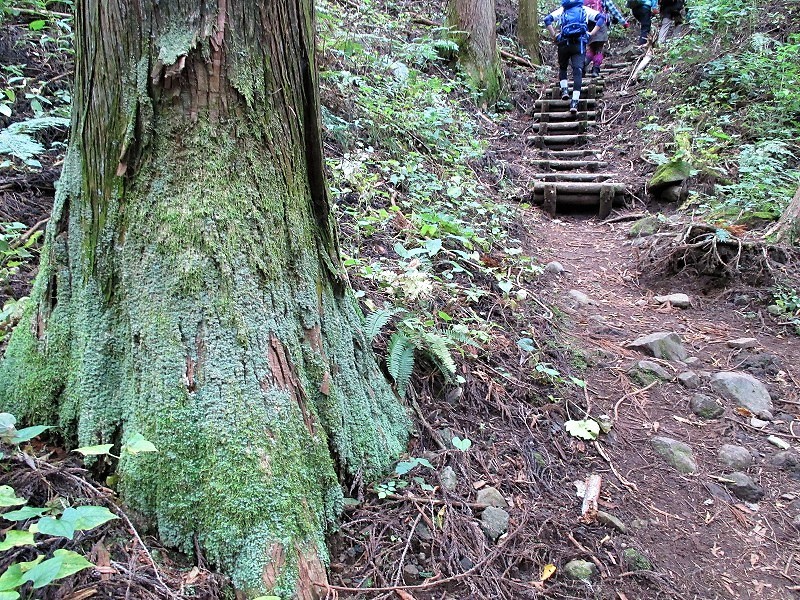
[(571, 172)]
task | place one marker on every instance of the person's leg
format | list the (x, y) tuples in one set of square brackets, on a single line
[(597, 57), (667, 23), (577, 59), (563, 61), (643, 15)]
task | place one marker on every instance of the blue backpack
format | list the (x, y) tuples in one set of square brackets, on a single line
[(573, 22)]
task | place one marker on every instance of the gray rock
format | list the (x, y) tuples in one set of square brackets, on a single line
[(689, 379), (648, 366), (736, 458), (448, 478), (796, 521), (677, 300), (673, 193), (579, 298), (636, 561), (788, 460), (691, 360), (423, 532), (492, 497), (745, 390), (579, 569), (774, 309), (662, 344), (743, 487), (494, 522), (410, 571), (705, 406), (554, 267), (644, 227), (676, 453), (743, 343), (610, 520)]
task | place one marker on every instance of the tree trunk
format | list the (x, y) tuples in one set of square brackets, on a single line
[(787, 229), (190, 290), (528, 29), (474, 30)]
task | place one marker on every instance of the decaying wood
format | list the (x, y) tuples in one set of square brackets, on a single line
[(590, 498)]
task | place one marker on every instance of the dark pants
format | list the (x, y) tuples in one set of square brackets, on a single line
[(644, 16), (571, 53)]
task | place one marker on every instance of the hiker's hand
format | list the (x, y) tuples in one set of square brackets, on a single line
[(656, 12), (626, 25)]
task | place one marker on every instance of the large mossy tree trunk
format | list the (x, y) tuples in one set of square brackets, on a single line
[(190, 291), (473, 23), (528, 29)]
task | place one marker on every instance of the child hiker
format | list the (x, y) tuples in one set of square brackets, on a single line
[(573, 19), (594, 51)]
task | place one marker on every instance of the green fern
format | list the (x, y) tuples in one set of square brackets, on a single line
[(16, 140), (437, 348), (401, 360), (376, 320)]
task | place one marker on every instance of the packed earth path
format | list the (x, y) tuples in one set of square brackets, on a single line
[(699, 473)]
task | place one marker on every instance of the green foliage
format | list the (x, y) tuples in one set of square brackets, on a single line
[(14, 248), (16, 140), (787, 299)]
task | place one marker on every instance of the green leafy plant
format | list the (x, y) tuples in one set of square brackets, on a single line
[(16, 139), (461, 444), (585, 429)]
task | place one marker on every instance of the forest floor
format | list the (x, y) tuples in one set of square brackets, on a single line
[(661, 532)]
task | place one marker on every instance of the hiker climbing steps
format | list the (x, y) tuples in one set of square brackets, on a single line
[(569, 175)]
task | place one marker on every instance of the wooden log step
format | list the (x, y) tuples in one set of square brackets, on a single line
[(555, 177), (578, 125), (569, 165), (579, 187), (581, 115), (562, 140), (548, 105), (577, 200), (570, 153)]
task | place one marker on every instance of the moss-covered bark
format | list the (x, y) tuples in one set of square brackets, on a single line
[(189, 288), (528, 29), (473, 27)]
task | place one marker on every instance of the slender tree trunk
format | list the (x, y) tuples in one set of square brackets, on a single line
[(473, 24), (787, 229), (528, 29), (190, 290)]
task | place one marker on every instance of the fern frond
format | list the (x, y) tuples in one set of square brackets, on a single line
[(462, 337), (437, 347), (14, 139), (37, 124), (401, 360), (376, 320)]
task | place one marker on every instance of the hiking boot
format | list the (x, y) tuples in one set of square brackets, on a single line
[(573, 106), (564, 94), (596, 71)]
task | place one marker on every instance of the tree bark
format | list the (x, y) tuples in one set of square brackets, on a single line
[(474, 30), (787, 229), (190, 288), (528, 29)]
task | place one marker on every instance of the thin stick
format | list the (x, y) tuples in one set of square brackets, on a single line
[(405, 550), (630, 394)]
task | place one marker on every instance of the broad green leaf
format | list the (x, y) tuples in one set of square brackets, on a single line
[(16, 538), (12, 577), (462, 445), (405, 466), (8, 497), (9, 596), (58, 527), (505, 285), (28, 433), (95, 450), (579, 382), (433, 246), (5, 110), (425, 462), (7, 420), (88, 517), (137, 444), (26, 512), (526, 344), (587, 429), (37, 24), (63, 564)]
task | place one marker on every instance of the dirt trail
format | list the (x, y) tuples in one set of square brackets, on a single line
[(703, 538)]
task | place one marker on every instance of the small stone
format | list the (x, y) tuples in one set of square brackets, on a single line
[(662, 344), (743, 343), (676, 453), (689, 379), (778, 442), (758, 423), (796, 521), (448, 478), (494, 522), (579, 298), (411, 571), (788, 460), (676, 300), (736, 458), (554, 267), (747, 391), (423, 532), (492, 497), (743, 487), (705, 406), (691, 360), (648, 366), (741, 300), (581, 570), (610, 520), (775, 310), (636, 560), (644, 227)]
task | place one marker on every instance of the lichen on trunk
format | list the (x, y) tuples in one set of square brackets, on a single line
[(189, 289)]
